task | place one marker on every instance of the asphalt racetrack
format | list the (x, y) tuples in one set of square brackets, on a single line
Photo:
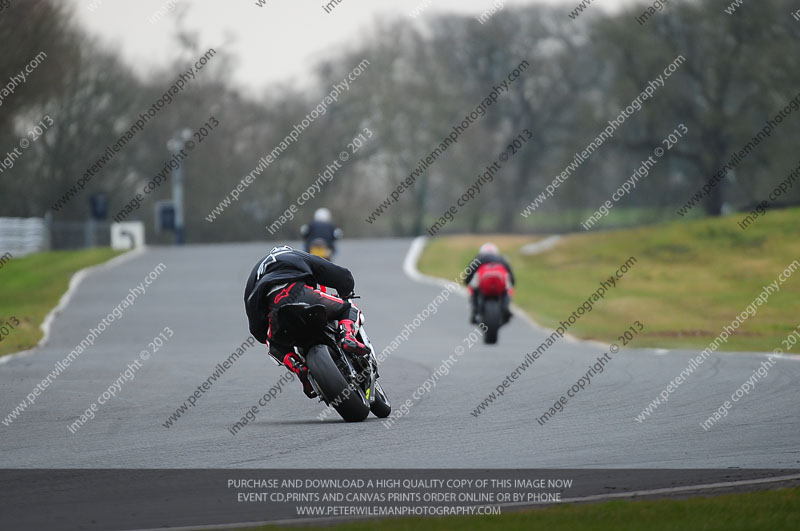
[(199, 297)]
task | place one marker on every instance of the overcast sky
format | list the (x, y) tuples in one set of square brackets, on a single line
[(277, 42)]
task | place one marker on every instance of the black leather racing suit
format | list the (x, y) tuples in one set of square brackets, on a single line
[(288, 275)]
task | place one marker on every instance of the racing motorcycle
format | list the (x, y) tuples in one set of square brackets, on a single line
[(346, 382), (493, 288)]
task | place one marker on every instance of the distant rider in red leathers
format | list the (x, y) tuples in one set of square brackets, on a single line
[(488, 256)]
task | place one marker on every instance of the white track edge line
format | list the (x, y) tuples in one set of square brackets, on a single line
[(74, 282), (418, 246), (410, 268)]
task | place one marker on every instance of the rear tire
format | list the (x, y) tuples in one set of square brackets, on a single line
[(380, 407), (492, 317), (347, 399)]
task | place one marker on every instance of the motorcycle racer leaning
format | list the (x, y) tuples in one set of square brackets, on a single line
[(288, 275), (487, 255)]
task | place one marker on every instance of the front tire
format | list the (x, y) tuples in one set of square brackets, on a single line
[(492, 317), (347, 399), (380, 407)]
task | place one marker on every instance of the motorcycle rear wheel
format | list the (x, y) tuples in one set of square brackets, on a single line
[(346, 398), (492, 317)]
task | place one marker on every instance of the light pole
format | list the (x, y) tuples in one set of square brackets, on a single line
[(175, 145)]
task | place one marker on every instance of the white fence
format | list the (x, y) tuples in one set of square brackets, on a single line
[(21, 236)]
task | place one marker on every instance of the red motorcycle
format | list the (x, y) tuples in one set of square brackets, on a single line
[(494, 289)]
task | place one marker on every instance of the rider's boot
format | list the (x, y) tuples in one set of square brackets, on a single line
[(293, 362), (349, 341)]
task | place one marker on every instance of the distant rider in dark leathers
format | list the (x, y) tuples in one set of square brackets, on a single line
[(321, 228)]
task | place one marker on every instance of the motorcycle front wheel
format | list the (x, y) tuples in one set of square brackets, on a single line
[(380, 407)]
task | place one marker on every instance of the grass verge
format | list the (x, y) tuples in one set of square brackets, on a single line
[(691, 279), (775, 510), (31, 286)]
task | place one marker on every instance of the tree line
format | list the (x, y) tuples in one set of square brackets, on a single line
[(420, 77)]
